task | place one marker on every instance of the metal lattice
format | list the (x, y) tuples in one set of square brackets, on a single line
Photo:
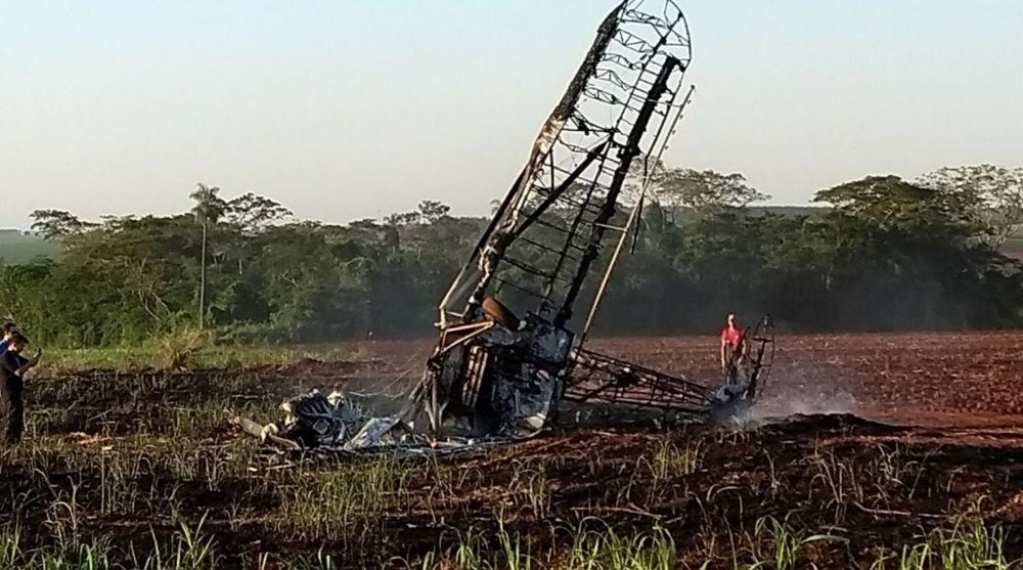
[(506, 354), (623, 103)]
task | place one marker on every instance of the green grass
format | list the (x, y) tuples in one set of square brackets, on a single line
[(187, 549), (612, 549), (968, 545)]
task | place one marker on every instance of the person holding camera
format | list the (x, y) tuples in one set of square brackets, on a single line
[(13, 367)]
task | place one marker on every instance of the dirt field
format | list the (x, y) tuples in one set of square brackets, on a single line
[(870, 451)]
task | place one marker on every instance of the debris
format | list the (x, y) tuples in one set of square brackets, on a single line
[(335, 424), (314, 421)]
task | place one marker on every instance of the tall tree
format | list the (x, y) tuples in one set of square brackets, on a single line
[(253, 213), (430, 211), (209, 208), (701, 191), (995, 194), (58, 224), (891, 204)]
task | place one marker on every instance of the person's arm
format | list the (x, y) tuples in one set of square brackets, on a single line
[(724, 343), (16, 364), (29, 364)]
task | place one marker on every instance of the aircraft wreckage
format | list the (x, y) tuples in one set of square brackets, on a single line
[(508, 358)]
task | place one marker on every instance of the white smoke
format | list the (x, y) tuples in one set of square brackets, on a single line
[(797, 392)]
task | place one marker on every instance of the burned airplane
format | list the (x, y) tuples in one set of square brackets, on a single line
[(508, 355), (511, 351)]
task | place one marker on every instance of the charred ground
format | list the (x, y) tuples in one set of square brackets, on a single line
[(876, 447)]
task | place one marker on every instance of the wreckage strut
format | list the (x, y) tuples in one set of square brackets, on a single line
[(627, 153)]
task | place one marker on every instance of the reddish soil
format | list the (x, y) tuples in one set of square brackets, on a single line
[(874, 438), (932, 379)]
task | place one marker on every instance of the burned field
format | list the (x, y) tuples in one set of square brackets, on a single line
[(904, 449)]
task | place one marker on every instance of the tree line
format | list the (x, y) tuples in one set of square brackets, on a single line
[(882, 254)]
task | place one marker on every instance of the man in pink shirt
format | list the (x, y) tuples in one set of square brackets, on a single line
[(732, 342)]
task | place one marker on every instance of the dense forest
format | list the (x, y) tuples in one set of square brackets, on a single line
[(882, 253)]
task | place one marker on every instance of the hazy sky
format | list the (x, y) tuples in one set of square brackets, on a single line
[(346, 109)]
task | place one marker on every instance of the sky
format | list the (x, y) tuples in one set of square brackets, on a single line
[(350, 109)]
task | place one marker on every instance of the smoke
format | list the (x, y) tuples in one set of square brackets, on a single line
[(805, 404), (796, 392)]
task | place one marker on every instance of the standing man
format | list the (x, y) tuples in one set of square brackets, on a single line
[(13, 367), (733, 340)]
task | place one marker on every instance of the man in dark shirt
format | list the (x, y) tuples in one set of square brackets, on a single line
[(13, 367)]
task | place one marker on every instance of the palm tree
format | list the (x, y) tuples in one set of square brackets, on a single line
[(209, 208)]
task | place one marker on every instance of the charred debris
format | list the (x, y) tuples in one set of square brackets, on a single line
[(511, 352)]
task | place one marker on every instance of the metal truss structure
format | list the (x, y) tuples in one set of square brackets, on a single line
[(602, 379), (507, 353)]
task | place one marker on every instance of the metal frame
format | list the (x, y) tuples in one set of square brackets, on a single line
[(623, 104)]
